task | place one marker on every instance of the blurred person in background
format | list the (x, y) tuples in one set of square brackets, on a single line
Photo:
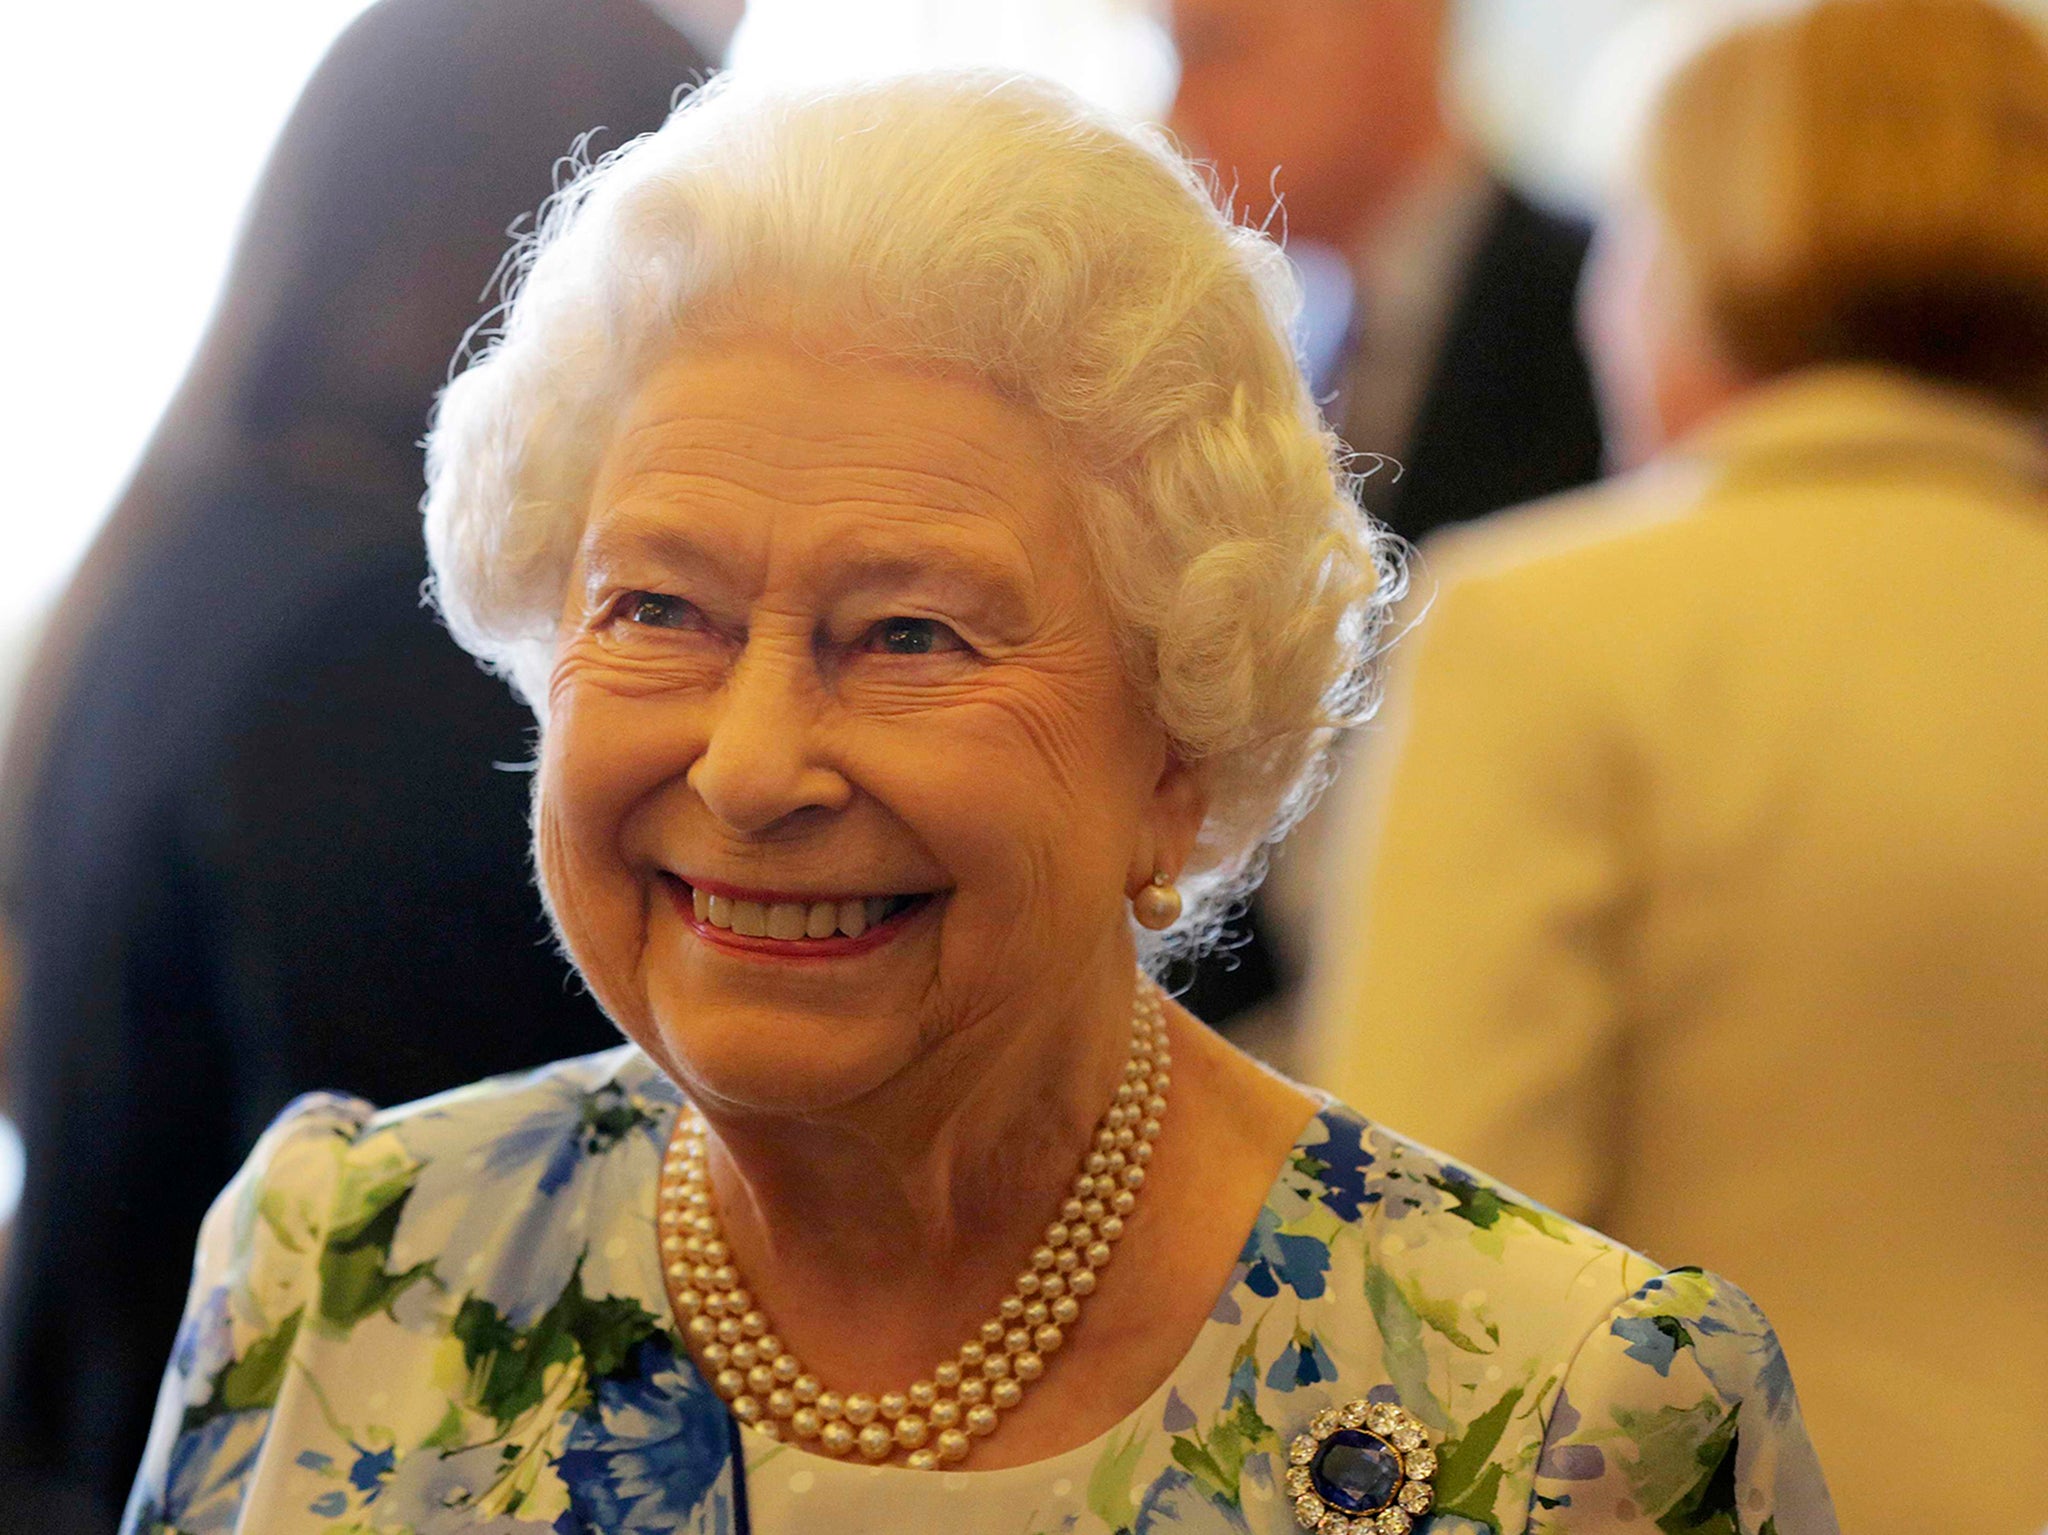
[(1707, 847), (1459, 360), (261, 836)]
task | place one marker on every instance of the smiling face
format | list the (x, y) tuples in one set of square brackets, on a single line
[(840, 765)]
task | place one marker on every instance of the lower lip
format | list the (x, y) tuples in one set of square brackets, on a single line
[(838, 947)]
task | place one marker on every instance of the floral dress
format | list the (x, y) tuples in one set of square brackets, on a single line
[(450, 1317)]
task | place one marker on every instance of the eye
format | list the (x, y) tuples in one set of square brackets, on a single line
[(652, 610), (911, 637)]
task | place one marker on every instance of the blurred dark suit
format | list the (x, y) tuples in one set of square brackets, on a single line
[(1506, 415), (258, 837)]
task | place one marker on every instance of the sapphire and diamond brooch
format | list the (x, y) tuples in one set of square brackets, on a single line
[(1361, 1469)]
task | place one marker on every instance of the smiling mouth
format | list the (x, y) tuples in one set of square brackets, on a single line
[(764, 922)]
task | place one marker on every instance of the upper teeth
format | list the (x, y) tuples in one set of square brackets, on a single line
[(789, 919)]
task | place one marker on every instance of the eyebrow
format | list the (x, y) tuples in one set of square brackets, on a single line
[(858, 564)]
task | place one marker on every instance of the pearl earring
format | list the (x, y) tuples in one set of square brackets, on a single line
[(1157, 906)]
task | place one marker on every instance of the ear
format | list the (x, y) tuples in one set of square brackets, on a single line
[(1179, 805)]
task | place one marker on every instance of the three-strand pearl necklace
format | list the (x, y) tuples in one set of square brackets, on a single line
[(932, 1422)]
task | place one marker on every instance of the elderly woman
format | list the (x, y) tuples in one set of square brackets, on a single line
[(1709, 841), (902, 511)]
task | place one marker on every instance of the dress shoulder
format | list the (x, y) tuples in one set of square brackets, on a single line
[(1566, 1381), (252, 1279)]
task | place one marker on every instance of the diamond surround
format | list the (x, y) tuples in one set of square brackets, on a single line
[(1361, 1469)]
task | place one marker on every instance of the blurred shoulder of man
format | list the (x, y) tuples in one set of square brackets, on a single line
[(1452, 357)]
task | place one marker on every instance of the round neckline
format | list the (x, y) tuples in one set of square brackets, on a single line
[(1214, 1334)]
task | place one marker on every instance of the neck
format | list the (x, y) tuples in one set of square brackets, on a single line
[(958, 1165)]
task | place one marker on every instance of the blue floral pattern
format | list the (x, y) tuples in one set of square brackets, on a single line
[(450, 1318)]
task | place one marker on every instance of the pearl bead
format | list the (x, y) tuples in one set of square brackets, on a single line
[(700, 1330), (747, 1409), (836, 1438), (972, 1391), (716, 1355), (952, 1446), (1142, 1153), (1154, 1106), (1056, 1234), (1098, 1162), (947, 1375), (786, 1367), (1043, 1258), (991, 1332), (1126, 1138), (724, 1276), (922, 1395), (1048, 1339), (981, 1420), (1037, 1314), (1134, 1177), (1124, 1203), (743, 1356), (1006, 1394), (831, 1405), (860, 1409), (753, 1324), (1016, 1340), (945, 1413), (769, 1428), (1027, 1284), (761, 1379), (876, 1442), (1055, 1286), (1065, 1309), (1072, 1210), (729, 1330), (806, 1422), (729, 1383), (911, 1431), (1098, 1252), (972, 1354), (1011, 1308), (805, 1388), (1028, 1366), (1068, 1260), (1084, 1185), (996, 1366), (1093, 1210), (780, 1403), (1112, 1227), (1082, 1283), (923, 1460), (892, 1405), (738, 1302)]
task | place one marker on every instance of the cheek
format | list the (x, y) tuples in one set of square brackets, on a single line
[(1032, 795), (599, 761)]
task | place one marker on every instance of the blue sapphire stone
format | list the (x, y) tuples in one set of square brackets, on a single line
[(1356, 1471)]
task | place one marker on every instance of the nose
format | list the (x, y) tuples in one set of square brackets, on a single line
[(760, 766)]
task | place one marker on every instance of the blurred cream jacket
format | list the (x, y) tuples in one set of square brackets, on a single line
[(1696, 882)]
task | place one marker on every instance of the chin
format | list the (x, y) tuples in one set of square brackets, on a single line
[(773, 1054)]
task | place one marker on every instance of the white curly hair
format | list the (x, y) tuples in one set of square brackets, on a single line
[(981, 224)]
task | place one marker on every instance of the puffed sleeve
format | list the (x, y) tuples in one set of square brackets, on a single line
[(1480, 882), (1678, 1414), (252, 1279)]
